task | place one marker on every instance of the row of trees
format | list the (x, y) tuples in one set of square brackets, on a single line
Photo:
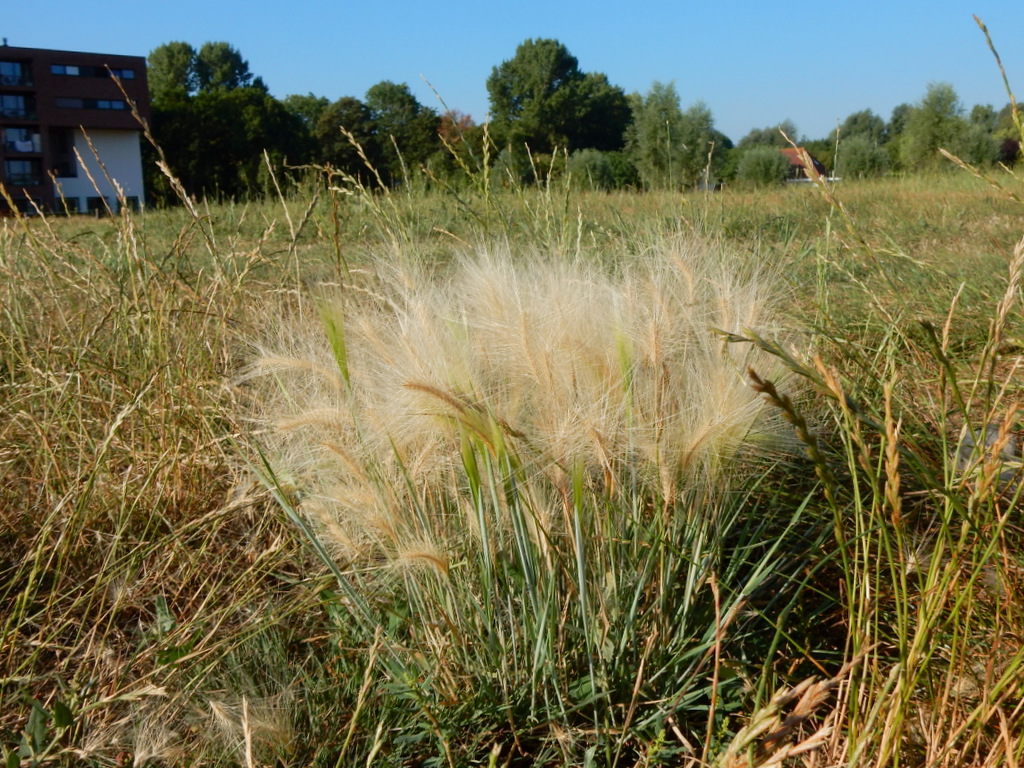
[(214, 120)]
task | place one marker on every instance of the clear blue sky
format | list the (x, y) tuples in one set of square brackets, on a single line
[(753, 63)]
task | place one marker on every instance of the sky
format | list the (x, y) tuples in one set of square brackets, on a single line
[(754, 64)]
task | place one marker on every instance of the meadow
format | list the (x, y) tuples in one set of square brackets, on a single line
[(516, 476)]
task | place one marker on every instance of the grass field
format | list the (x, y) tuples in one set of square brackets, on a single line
[(517, 477)]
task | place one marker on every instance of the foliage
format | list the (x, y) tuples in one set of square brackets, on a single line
[(861, 157), (938, 122), (672, 149), (214, 122), (343, 129), (406, 130), (171, 72), (541, 99), (864, 123), (219, 66), (762, 165), (307, 108), (594, 169), (215, 141), (772, 136)]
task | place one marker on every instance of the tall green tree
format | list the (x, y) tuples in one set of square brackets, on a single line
[(860, 157), (307, 108), (407, 131), (220, 66), (336, 148), (214, 121), (864, 123), (671, 148), (602, 114), (541, 99), (770, 136), (171, 71), (937, 121)]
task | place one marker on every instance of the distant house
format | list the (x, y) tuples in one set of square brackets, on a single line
[(797, 170), (52, 104)]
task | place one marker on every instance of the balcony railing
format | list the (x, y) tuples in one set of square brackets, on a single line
[(20, 80), (15, 113), (25, 179), (22, 146)]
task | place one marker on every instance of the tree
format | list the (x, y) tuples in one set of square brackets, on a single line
[(602, 114), (936, 122), (541, 99), (670, 148), (214, 121), (171, 72), (403, 126), (220, 66), (985, 115), (335, 147), (898, 121), (770, 136), (861, 157), (864, 123), (307, 108)]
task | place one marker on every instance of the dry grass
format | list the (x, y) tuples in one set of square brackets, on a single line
[(618, 376)]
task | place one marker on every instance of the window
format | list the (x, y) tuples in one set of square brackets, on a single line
[(72, 103), (16, 106), (69, 204), (23, 173), (84, 70), (21, 140), (15, 73), (65, 169), (96, 205)]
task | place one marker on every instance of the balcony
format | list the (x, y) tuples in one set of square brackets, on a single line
[(23, 173), (16, 73), (24, 180), (22, 147), (21, 81)]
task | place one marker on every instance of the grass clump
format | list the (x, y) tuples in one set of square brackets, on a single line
[(526, 475)]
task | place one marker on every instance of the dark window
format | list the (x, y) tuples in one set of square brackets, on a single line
[(15, 73), (71, 103), (28, 205), (21, 140), (85, 70), (23, 173), (95, 205), (69, 204), (17, 106)]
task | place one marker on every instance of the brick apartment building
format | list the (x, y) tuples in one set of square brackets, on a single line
[(50, 103)]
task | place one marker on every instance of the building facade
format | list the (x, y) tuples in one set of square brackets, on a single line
[(68, 138)]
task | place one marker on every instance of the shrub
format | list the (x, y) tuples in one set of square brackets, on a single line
[(762, 166), (861, 157)]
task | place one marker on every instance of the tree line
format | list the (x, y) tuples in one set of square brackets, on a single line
[(214, 120)]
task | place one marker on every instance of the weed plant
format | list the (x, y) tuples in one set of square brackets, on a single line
[(522, 473)]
